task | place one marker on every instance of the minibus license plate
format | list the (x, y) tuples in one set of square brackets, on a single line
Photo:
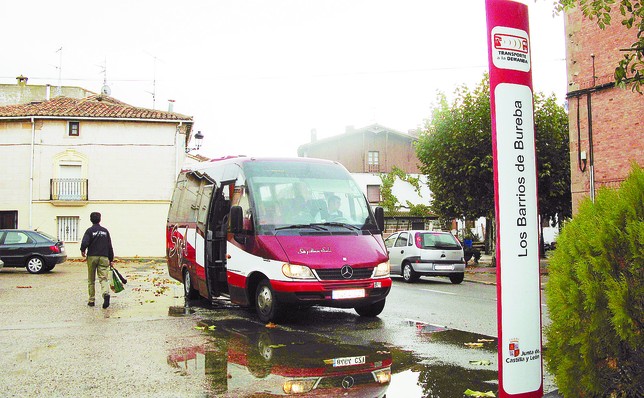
[(347, 294), (444, 267), (348, 361)]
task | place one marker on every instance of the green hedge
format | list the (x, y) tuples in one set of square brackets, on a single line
[(595, 296)]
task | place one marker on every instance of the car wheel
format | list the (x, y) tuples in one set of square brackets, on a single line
[(457, 278), (35, 265), (266, 304), (409, 275), (371, 310), (189, 291)]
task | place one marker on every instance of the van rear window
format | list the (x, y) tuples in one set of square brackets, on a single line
[(439, 241)]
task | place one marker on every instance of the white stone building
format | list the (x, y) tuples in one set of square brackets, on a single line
[(63, 158)]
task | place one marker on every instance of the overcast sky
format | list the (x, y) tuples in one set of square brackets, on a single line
[(258, 75)]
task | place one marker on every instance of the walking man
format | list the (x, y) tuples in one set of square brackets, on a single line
[(100, 255)]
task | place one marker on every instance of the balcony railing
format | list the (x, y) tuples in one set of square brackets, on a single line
[(373, 168), (68, 189)]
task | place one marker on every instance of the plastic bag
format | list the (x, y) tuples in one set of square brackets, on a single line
[(116, 285)]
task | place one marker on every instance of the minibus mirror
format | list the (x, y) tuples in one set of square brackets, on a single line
[(236, 219), (380, 218)]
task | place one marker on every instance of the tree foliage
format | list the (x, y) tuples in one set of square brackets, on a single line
[(631, 67), (595, 296), (455, 151)]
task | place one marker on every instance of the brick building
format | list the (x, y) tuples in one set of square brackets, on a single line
[(371, 149), (606, 122)]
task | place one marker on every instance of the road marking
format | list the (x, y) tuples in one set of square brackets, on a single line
[(438, 291)]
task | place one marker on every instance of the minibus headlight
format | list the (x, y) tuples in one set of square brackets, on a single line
[(382, 376), (382, 269), (298, 386), (297, 271)]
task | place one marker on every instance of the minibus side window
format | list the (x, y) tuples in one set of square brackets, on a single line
[(240, 198), (176, 201), (204, 202), (187, 209)]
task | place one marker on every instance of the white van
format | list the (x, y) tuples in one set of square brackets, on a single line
[(416, 253)]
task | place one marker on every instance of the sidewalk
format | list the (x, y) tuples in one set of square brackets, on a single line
[(485, 271)]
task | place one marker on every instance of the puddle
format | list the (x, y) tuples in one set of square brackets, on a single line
[(244, 358)]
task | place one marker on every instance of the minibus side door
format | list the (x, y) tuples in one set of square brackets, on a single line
[(216, 240)]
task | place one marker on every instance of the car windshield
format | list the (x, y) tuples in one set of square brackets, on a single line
[(303, 195), (434, 240)]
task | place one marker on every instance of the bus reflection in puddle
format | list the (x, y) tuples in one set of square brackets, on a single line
[(247, 359)]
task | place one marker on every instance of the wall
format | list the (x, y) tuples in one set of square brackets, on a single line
[(617, 114), (350, 149), (130, 167), (11, 94)]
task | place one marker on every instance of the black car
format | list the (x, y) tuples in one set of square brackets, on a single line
[(37, 251)]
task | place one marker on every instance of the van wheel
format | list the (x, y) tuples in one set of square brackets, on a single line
[(35, 265), (409, 275), (266, 304), (190, 292), (371, 310), (457, 278)]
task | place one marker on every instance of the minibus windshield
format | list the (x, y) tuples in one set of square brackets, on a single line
[(295, 195)]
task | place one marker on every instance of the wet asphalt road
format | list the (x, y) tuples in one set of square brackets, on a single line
[(149, 344)]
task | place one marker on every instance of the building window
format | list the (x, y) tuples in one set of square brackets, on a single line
[(373, 193), (9, 219), (74, 129), (68, 228), (372, 158), (373, 162)]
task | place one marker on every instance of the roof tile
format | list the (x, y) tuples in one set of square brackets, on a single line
[(98, 106)]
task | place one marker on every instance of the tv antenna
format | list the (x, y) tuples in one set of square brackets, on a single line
[(154, 79), (60, 69), (105, 90)]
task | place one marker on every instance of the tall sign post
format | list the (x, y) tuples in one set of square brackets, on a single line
[(515, 183)]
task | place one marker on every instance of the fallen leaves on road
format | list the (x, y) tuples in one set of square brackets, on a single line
[(23, 287), (481, 362), (485, 340), (479, 394), (474, 345), (271, 325)]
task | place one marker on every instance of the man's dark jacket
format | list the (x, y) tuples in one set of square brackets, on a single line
[(97, 242)]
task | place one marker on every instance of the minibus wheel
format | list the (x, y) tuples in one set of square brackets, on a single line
[(268, 309), (190, 292), (371, 310)]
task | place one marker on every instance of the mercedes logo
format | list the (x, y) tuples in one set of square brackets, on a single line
[(346, 272), (348, 382)]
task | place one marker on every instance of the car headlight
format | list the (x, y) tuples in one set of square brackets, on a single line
[(382, 376), (297, 271), (382, 269), (298, 386)]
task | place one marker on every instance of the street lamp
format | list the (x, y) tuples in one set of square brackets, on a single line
[(198, 137)]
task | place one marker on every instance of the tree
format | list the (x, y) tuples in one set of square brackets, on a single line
[(595, 296), (631, 67), (455, 151)]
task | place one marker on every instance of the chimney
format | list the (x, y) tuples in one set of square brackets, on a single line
[(22, 81), (47, 92), (314, 135), (171, 105)]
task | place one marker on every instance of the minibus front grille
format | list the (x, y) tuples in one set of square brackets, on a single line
[(335, 274)]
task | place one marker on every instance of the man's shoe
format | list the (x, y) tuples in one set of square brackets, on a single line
[(90, 303), (106, 301)]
